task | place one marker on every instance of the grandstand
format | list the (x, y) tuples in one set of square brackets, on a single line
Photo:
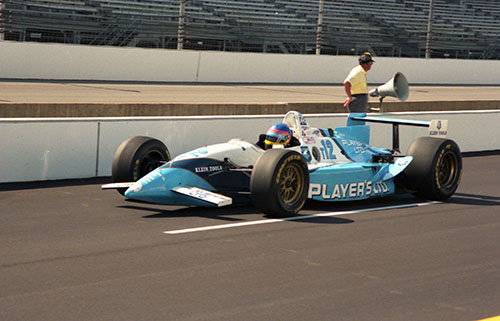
[(460, 29)]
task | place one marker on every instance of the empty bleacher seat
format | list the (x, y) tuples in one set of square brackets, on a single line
[(388, 27)]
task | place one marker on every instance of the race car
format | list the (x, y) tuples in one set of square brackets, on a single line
[(321, 164)]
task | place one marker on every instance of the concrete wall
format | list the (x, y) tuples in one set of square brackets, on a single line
[(46, 149), (25, 60)]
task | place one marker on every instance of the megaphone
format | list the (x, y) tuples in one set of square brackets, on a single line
[(396, 87)]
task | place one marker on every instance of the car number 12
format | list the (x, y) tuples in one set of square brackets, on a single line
[(327, 149)]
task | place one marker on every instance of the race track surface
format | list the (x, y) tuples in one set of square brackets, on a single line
[(70, 251)]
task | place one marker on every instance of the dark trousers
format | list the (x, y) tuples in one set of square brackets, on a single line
[(359, 103)]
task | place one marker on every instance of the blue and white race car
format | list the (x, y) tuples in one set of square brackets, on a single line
[(321, 164)]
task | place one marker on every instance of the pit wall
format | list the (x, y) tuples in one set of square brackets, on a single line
[(66, 148), (27, 60)]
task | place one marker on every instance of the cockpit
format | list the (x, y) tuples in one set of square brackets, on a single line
[(285, 134)]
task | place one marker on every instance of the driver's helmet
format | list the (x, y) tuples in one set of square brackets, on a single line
[(278, 134)]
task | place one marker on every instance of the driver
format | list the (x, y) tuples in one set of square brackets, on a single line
[(277, 134)]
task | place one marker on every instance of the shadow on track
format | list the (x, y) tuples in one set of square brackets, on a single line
[(228, 214), (54, 183), (242, 213), (473, 199), (223, 213)]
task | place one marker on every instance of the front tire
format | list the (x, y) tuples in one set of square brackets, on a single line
[(280, 182), (436, 168), (136, 157)]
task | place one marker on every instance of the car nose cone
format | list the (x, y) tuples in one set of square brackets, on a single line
[(150, 188), (157, 187)]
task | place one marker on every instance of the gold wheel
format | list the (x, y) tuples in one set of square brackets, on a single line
[(436, 168), (280, 182), (291, 183), (447, 170)]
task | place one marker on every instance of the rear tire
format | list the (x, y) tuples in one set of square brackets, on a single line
[(436, 168), (136, 157), (280, 182)]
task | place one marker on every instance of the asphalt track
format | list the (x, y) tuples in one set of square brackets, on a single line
[(70, 251)]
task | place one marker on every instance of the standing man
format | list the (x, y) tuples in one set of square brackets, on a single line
[(356, 87)]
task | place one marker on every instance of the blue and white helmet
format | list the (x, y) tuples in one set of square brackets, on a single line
[(278, 134)]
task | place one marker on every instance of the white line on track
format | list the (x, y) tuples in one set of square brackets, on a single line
[(295, 218)]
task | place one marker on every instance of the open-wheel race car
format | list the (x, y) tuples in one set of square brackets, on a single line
[(315, 163)]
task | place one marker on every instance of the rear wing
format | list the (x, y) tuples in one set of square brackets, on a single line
[(438, 128)]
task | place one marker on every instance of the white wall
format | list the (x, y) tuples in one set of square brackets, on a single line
[(28, 60), (25, 60), (45, 149)]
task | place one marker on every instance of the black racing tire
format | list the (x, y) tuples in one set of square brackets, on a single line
[(136, 157), (436, 168), (280, 182)]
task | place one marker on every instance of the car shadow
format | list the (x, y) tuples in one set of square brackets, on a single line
[(308, 214), (159, 211), (391, 200), (227, 214), (304, 218), (474, 199)]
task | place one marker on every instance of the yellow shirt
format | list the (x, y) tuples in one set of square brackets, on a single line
[(357, 78)]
